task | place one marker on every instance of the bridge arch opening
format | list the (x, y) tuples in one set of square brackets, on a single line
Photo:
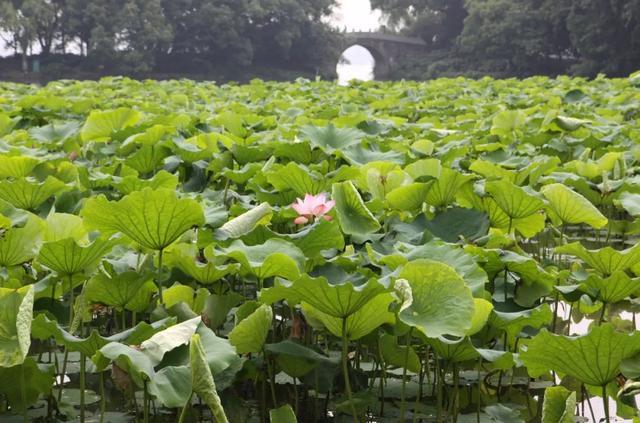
[(357, 62)]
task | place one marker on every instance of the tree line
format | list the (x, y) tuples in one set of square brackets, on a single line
[(519, 37), (465, 37), (179, 35)]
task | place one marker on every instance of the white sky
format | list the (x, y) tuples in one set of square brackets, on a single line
[(356, 15)]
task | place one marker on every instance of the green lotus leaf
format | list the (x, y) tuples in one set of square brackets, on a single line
[(571, 207), (27, 194), (250, 334), (245, 223), (453, 351), (101, 125), (297, 178), (513, 322), (131, 360), (221, 355), (20, 245), (162, 179), (17, 166), (66, 257), (177, 293), (605, 260), (481, 313), (217, 308), (185, 258), (295, 359), (501, 360), (526, 226), (513, 200), (492, 170), (331, 139), (125, 291), (593, 358), (362, 322), (394, 354), (171, 385), (168, 339), (409, 197), (442, 302), (60, 226), (454, 256), (55, 132), (508, 123), (381, 177), (148, 159), (354, 216), (28, 381), (275, 257), (150, 136), (153, 219), (284, 414), (424, 168), (6, 124), (202, 380), (630, 202), (335, 300), (455, 223), (614, 288), (559, 405), (443, 191), (319, 237), (42, 328), (16, 311)]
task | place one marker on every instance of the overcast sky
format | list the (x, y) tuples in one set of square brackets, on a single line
[(356, 15)]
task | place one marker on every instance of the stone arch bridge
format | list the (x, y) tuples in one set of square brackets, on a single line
[(385, 48)]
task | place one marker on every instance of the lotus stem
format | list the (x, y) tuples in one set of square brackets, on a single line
[(479, 402), (145, 405), (295, 395), (403, 404), (439, 384), (71, 300), (602, 314), (64, 371), (187, 406), (23, 394), (605, 403), (345, 369), (382, 377), (456, 392), (272, 382), (159, 282), (103, 401), (82, 385)]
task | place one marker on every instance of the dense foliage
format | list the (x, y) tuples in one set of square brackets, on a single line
[(455, 250), (520, 37), (175, 35)]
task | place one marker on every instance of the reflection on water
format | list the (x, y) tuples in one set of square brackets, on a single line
[(348, 72)]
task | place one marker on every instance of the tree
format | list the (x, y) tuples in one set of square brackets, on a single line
[(438, 22), (278, 27), (510, 34), (19, 27), (606, 34), (215, 30)]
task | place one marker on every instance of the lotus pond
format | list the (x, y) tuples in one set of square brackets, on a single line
[(450, 251)]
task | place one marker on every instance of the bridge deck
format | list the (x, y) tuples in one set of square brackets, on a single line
[(382, 36)]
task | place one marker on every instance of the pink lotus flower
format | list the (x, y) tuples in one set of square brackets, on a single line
[(313, 206)]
